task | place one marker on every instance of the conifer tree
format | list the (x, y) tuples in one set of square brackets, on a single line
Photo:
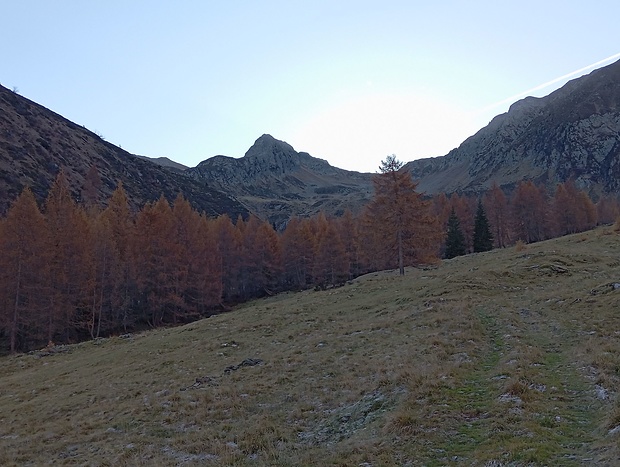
[(67, 270), (207, 283), (261, 258), (573, 211), (120, 292), (22, 258), (455, 239), (465, 209), (483, 239), (529, 213), (102, 255), (229, 241), (496, 206), (184, 255), (298, 253), (349, 234), (268, 254), (331, 266), (442, 208), (153, 251), (400, 218), (608, 209)]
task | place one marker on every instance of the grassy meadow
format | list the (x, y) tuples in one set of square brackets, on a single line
[(505, 358)]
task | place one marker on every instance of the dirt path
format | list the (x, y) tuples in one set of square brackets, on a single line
[(525, 402)]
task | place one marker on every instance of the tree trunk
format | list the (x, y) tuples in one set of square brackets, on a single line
[(16, 309), (401, 265)]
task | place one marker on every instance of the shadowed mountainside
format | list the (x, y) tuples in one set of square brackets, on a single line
[(513, 364), (36, 143)]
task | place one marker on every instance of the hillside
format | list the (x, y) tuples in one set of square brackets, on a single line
[(502, 358), (36, 143), (573, 132), (275, 181)]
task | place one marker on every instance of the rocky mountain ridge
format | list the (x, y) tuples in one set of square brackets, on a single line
[(573, 132), (275, 181)]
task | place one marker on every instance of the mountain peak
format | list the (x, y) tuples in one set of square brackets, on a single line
[(268, 145)]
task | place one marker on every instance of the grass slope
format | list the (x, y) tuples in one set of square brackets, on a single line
[(502, 358)]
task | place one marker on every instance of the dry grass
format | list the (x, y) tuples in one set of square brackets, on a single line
[(502, 358)]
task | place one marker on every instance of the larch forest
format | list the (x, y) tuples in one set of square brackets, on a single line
[(74, 271)]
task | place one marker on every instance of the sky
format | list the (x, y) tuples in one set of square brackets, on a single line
[(346, 81)]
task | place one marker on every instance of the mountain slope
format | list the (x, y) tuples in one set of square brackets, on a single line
[(572, 133), (275, 181), (35, 143), (514, 364)]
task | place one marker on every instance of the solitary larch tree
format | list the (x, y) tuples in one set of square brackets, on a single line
[(400, 216)]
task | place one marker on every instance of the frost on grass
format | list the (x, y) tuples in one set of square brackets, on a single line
[(184, 457), (343, 422)]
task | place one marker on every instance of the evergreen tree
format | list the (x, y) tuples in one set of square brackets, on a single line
[(496, 206), (455, 240), (483, 239)]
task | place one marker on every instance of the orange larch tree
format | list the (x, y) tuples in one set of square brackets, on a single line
[(298, 253), (261, 263), (67, 271), (22, 258), (573, 211), (348, 231), (103, 259), (229, 242), (496, 206), (331, 266), (401, 219), (529, 213), (206, 286), (442, 209), (154, 250), (608, 209), (119, 283), (186, 237)]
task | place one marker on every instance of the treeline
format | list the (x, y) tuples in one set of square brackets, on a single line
[(529, 214), (70, 272)]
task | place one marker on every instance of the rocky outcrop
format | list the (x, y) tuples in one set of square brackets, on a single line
[(572, 133)]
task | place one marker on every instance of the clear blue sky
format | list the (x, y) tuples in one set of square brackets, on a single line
[(346, 81)]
